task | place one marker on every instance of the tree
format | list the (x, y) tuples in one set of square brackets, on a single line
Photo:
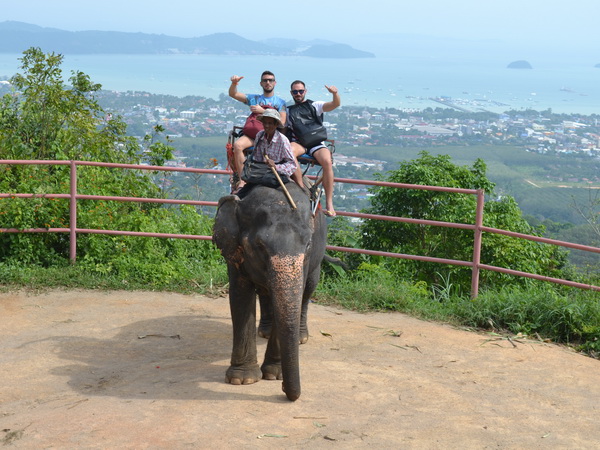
[(43, 118), (590, 211), (451, 243)]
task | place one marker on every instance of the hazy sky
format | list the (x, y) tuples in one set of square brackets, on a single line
[(572, 22)]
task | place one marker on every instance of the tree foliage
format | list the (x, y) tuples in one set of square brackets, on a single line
[(44, 118), (451, 243)]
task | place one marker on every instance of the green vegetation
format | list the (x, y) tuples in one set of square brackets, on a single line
[(452, 243), (44, 119), (551, 191), (439, 292), (534, 310)]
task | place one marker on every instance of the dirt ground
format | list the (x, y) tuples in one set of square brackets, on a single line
[(145, 370)]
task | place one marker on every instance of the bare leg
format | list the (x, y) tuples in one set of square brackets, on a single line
[(297, 177), (323, 156), (298, 150), (242, 143)]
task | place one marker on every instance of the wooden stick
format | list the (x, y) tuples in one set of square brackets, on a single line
[(281, 183)]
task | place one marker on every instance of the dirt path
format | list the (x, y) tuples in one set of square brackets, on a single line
[(139, 370)]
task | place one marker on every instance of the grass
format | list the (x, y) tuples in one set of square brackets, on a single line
[(543, 311), (210, 280), (540, 310)]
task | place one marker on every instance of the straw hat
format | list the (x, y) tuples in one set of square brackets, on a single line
[(273, 114)]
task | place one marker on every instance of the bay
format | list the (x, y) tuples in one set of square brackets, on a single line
[(473, 82)]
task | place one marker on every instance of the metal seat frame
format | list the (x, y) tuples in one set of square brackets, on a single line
[(316, 188)]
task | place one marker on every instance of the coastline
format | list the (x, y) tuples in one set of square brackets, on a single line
[(401, 83)]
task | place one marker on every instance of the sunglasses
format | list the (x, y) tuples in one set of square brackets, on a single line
[(298, 91), (268, 80)]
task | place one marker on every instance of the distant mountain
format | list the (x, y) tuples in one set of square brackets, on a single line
[(15, 37), (318, 48), (295, 44), (335, 51)]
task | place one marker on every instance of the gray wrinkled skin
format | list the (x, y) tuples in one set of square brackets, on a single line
[(274, 251)]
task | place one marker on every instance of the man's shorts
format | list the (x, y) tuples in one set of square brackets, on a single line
[(311, 151)]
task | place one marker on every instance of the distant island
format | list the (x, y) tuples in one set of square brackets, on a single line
[(335, 51), (521, 64), (15, 37)]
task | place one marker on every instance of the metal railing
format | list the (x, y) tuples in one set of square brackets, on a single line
[(73, 196)]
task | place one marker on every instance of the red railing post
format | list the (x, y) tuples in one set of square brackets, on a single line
[(477, 244), (73, 214)]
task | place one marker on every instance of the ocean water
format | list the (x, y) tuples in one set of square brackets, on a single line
[(474, 82)]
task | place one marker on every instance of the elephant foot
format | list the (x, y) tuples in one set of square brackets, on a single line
[(303, 336), (264, 331), (243, 375), (271, 372)]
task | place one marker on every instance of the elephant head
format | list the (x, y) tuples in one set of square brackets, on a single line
[(274, 251)]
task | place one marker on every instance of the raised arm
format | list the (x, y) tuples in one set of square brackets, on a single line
[(330, 106), (233, 92)]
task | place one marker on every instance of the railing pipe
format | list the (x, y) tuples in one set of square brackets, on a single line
[(477, 244), (464, 226), (147, 200), (144, 234), (73, 214), (540, 277), (454, 262), (407, 186), (542, 239), (34, 230), (35, 195), (36, 162), (153, 168), (478, 227), (114, 198)]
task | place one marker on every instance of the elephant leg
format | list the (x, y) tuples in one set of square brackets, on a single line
[(244, 367), (303, 321), (271, 367), (309, 289), (265, 324)]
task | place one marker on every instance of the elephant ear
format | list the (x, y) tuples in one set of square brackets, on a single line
[(226, 228)]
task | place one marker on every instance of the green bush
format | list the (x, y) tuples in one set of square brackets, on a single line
[(564, 315), (47, 118), (452, 243)]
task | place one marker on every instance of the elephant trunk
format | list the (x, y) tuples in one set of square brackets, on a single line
[(287, 288)]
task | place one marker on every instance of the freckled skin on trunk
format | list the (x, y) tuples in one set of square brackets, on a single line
[(287, 287), (275, 252)]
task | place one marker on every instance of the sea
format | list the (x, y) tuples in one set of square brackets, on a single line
[(411, 82)]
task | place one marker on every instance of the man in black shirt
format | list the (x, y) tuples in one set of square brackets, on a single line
[(305, 119)]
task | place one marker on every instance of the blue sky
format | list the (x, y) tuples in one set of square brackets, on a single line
[(543, 22)]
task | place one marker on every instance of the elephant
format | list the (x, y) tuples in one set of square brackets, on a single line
[(274, 251)]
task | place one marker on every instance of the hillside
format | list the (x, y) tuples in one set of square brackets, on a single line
[(15, 37)]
